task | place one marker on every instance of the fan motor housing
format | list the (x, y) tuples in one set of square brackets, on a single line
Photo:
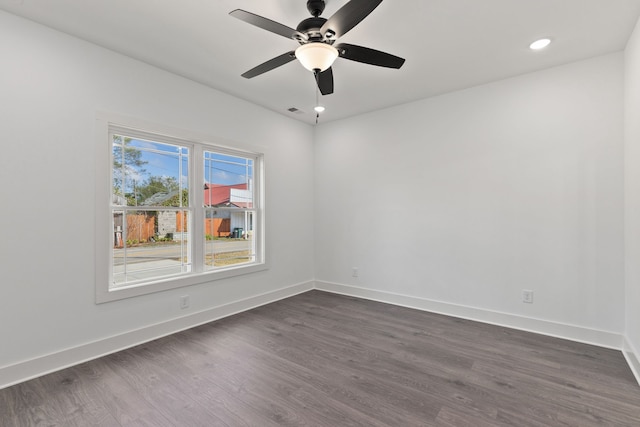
[(311, 27), (315, 7)]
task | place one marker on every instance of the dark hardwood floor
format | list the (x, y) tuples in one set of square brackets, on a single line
[(319, 359)]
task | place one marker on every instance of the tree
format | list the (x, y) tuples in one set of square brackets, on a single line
[(157, 184), (127, 165), (175, 201)]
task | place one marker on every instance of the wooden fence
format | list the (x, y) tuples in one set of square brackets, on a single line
[(217, 227), (141, 228), (181, 222)]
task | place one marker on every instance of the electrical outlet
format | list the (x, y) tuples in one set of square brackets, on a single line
[(527, 296), (184, 302), (354, 273)]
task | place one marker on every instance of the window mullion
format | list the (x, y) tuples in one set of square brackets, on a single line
[(196, 203), (256, 210)]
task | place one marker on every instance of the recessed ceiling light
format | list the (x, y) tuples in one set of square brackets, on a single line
[(540, 44), (319, 108)]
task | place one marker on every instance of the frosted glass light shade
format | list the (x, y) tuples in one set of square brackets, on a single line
[(316, 55)]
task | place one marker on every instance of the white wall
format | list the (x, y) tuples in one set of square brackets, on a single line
[(51, 86), (632, 197), (471, 197)]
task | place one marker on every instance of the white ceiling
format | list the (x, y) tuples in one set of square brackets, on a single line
[(448, 44)]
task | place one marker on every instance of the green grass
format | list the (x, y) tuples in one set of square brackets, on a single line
[(228, 258)]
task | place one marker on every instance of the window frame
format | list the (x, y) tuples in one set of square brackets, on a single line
[(108, 124)]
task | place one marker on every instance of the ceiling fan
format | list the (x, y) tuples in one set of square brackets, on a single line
[(317, 37)]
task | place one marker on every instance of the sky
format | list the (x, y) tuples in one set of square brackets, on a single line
[(166, 160)]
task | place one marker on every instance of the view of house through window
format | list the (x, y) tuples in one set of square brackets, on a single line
[(228, 202), (154, 210)]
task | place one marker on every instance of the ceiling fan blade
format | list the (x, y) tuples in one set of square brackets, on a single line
[(267, 24), (270, 64), (368, 56), (325, 81), (348, 16)]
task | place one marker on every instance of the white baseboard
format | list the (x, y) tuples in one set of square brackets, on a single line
[(544, 327), (633, 358), (33, 368)]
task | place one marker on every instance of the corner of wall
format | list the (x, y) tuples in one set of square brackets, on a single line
[(632, 201), (633, 358)]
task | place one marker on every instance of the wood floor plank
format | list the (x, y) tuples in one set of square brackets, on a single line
[(114, 393), (245, 357), (267, 369), (320, 359), (135, 366), (59, 400), (204, 381), (236, 388), (367, 392)]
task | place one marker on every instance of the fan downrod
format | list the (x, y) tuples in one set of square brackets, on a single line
[(315, 7)]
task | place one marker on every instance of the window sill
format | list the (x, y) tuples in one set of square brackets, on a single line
[(176, 282)]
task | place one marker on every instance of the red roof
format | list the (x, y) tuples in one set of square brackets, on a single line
[(218, 194)]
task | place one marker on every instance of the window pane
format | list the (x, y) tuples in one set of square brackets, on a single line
[(229, 238), (148, 173), (228, 181), (149, 244), (229, 233), (117, 182)]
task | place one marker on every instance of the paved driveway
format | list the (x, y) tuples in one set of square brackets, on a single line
[(173, 251)]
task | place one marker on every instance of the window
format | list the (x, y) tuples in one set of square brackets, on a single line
[(180, 212), (150, 210), (229, 210)]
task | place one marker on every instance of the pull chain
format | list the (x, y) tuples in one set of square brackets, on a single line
[(317, 103)]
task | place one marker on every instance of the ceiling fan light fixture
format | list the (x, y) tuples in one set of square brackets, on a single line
[(316, 55)]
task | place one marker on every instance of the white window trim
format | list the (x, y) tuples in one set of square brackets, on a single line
[(106, 122)]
